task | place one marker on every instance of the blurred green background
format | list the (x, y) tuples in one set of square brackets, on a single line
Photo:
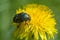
[(7, 11)]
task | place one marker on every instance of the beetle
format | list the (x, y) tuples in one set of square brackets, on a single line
[(18, 18)]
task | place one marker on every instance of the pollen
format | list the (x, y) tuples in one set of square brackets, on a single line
[(42, 24)]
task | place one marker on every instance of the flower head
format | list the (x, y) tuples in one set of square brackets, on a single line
[(42, 23)]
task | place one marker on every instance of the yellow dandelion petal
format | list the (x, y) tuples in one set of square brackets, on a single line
[(42, 23)]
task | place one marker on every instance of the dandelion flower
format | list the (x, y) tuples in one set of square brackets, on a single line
[(42, 23)]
